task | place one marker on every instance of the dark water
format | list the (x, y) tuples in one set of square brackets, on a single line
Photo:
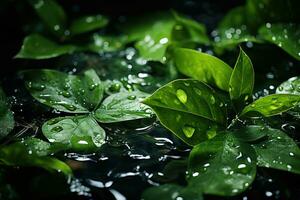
[(138, 154)]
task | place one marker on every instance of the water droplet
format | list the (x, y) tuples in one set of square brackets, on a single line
[(198, 91), (181, 95), (131, 97), (92, 87), (241, 166), (57, 129), (188, 131), (212, 99), (53, 121), (195, 174), (289, 167), (69, 107), (291, 154)]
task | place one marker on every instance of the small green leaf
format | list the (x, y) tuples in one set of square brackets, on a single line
[(67, 93), (222, 166), (202, 67), (123, 106), (32, 152), (250, 133), (188, 108), (271, 105), (278, 151), (76, 132), (38, 47), (286, 36), (52, 15), (7, 122), (291, 86), (87, 24), (242, 80), (171, 192)]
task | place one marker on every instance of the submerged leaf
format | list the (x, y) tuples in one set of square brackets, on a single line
[(68, 93), (77, 132), (202, 67), (222, 166), (188, 108), (38, 47), (6, 116), (271, 105), (123, 106)]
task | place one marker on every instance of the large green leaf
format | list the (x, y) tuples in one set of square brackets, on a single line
[(87, 24), (278, 151), (286, 36), (38, 47), (32, 152), (188, 108), (291, 86), (222, 166), (6, 116), (271, 105), (171, 192), (203, 67), (242, 80), (52, 15), (76, 132), (67, 93), (123, 106)]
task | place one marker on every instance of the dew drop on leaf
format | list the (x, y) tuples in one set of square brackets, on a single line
[(188, 131), (181, 95)]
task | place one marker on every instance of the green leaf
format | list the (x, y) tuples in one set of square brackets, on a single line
[(52, 15), (241, 83), (271, 105), (101, 44), (188, 108), (32, 152), (291, 86), (171, 192), (87, 24), (68, 93), (250, 133), (202, 67), (123, 106), (7, 122), (76, 132), (222, 166), (38, 47), (278, 151), (286, 36)]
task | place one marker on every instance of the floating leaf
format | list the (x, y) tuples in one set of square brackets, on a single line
[(271, 105), (77, 132), (188, 108), (286, 36), (6, 116), (241, 83), (32, 152), (52, 15), (202, 67), (87, 24), (123, 106), (67, 93), (171, 192), (222, 166), (38, 47), (278, 151)]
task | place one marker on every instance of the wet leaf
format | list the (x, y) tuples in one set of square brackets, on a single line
[(38, 47), (68, 93), (101, 44), (171, 192), (291, 86), (250, 133), (76, 132), (52, 14), (188, 108), (241, 83), (32, 152), (278, 151), (87, 24), (123, 106), (222, 166), (271, 105), (203, 67), (285, 36), (7, 122)]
